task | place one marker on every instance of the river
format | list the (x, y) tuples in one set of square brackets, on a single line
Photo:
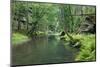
[(43, 50)]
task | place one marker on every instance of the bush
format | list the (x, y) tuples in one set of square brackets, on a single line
[(88, 48)]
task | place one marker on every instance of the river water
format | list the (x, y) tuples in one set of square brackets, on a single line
[(43, 50)]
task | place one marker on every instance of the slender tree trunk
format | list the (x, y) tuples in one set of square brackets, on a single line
[(27, 18), (62, 14), (72, 23), (19, 24)]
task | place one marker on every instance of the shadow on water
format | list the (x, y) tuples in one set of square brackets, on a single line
[(40, 50)]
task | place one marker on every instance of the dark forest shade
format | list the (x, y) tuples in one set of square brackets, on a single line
[(48, 33)]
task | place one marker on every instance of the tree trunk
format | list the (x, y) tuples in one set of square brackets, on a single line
[(19, 25)]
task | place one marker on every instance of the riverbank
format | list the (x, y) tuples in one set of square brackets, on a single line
[(88, 48), (18, 38)]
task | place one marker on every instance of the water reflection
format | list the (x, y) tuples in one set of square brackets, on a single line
[(39, 50)]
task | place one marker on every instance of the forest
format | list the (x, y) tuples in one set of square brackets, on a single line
[(52, 33)]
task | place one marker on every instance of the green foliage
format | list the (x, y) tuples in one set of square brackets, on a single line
[(88, 46), (18, 38), (30, 19), (87, 50), (35, 17)]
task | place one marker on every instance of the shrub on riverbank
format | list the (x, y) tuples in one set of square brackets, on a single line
[(88, 48), (18, 38)]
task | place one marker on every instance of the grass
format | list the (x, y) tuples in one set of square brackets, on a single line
[(87, 50), (18, 38)]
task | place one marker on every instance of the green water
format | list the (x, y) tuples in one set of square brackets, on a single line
[(42, 50)]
